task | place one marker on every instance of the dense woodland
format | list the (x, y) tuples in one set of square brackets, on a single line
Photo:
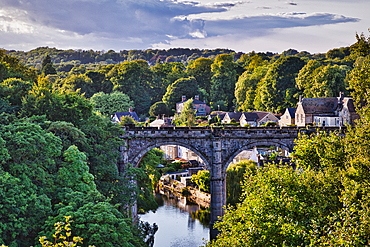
[(232, 81), (59, 148)]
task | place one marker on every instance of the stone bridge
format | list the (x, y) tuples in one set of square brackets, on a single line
[(217, 147)]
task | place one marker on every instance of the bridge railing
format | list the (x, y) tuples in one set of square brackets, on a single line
[(132, 127)]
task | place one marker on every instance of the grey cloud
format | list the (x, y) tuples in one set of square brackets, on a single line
[(141, 23), (257, 25), (147, 19)]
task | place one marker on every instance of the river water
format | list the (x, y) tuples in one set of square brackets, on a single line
[(176, 227)]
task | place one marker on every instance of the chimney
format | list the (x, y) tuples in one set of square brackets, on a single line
[(197, 97), (300, 98), (341, 96), (130, 110), (183, 98)]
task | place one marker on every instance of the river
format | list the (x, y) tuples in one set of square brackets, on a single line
[(176, 227)]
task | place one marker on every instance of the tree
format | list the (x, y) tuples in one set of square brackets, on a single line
[(306, 77), (202, 179), (202, 72), (57, 106), (14, 90), (158, 109), (223, 79), (47, 67), (234, 180), (245, 89), (108, 104), (277, 90), (164, 74), (279, 207), (187, 115), (184, 86), (131, 78), (10, 67)]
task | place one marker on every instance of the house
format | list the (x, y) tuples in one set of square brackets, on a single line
[(330, 111), (180, 153), (247, 155), (288, 118), (220, 114), (229, 116), (116, 118), (170, 151), (257, 118), (165, 122), (201, 108)]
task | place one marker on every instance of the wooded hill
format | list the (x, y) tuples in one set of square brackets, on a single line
[(233, 81)]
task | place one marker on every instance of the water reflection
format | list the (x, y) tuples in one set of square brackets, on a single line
[(176, 225)]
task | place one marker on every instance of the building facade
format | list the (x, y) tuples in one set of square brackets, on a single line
[(330, 111), (201, 108)]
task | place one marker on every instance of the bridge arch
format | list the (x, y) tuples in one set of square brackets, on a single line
[(138, 156), (251, 146)]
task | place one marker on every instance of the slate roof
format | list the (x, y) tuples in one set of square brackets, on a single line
[(195, 101), (134, 116), (261, 114), (291, 112), (319, 105), (250, 116), (221, 115), (234, 115)]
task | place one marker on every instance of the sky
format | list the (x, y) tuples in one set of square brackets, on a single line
[(315, 26)]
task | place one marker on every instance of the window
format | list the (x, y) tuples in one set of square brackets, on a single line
[(302, 118), (297, 118), (286, 116)]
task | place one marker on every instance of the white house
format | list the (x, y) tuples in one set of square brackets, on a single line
[(257, 118)]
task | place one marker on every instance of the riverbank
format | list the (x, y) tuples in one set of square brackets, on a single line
[(180, 190)]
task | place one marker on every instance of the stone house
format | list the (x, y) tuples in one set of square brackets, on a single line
[(331, 111), (257, 118), (201, 108), (288, 118), (181, 153)]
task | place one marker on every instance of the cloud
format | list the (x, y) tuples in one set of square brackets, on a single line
[(257, 25), (130, 24), (110, 18)]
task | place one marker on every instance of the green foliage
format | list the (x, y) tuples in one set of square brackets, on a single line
[(62, 235), (278, 208), (223, 79), (245, 89), (57, 106), (202, 179), (276, 91), (158, 109), (14, 90), (234, 180), (201, 70), (319, 151), (126, 120), (187, 115), (47, 67), (175, 91), (10, 67), (108, 104), (131, 78), (149, 177)]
